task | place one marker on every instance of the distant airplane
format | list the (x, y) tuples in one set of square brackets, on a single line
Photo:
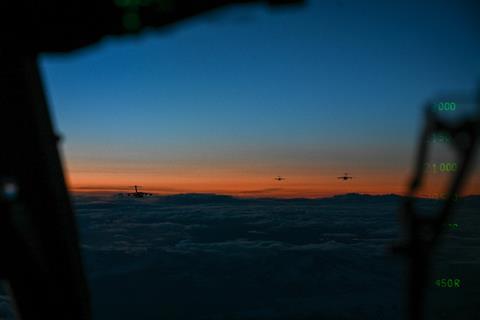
[(138, 194), (280, 178), (345, 177)]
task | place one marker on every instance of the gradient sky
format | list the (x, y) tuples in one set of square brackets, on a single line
[(225, 102)]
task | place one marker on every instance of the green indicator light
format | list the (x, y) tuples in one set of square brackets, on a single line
[(448, 283), (445, 106), (448, 167), (441, 138), (131, 21), (443, 167)]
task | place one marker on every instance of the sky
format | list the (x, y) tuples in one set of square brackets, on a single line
[(225, 102)]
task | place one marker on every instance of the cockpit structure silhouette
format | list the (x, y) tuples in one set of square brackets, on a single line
[(39, 245), (41, 261)]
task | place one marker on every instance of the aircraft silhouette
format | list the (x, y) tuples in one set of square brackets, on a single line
[(138, 194), (280, 178), (40, 256), (345, 177)]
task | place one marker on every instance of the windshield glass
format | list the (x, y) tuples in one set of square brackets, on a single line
[(251, 163)]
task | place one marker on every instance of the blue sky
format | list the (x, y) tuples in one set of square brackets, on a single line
[(333, 82)]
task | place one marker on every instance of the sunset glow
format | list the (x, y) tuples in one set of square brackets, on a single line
[(226, 107)]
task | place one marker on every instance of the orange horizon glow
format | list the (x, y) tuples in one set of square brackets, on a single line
[(296, 185)]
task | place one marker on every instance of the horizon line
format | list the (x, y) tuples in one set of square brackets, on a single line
[(100, 191)]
